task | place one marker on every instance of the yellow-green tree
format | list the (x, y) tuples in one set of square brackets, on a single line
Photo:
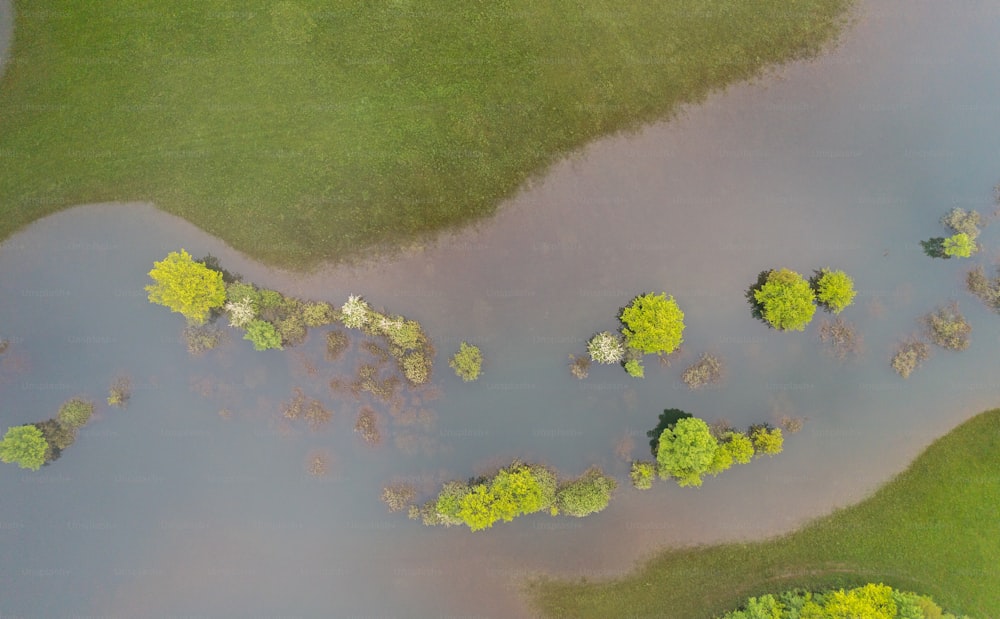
[(187, 287), (835, 290), (786, 300), (767, 440), (653, 323), (959, 245), (24, 445), (686, 451)]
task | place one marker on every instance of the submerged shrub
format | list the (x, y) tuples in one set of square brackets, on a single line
[(909, 356), (642, 474), (606, 348), (841, 337), (948, 328), (467, 362), (706, 371), (367, 426), (202, 338), (986, 289), (292, 330), (120, 392), (336, 343), (398, 496), (963, 222), (263, 335), (579, 366)]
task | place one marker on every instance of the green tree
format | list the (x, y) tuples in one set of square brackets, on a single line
[(517, 491), (587, 495), (653, 323), (186, 286), (634, 368), (786, 300), (263, 335), (25, 446), (835, 290), (75, 412), (960, 245), (467, 362), (479, 509), (739, 446), (642, 474), (767, 440), (686, 451)]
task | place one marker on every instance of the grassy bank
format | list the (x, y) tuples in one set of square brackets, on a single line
[(934, 529), (300, 130)]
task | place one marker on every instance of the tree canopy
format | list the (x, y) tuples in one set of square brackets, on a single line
[(467, 362), (835, 290), (653, 323), (24, 445), (587, 495), (786, 300), (686, 451), (187, 287), (960, 245)]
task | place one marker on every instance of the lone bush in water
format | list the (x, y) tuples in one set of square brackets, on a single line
[(467, 362), (786, 300), (24, 446), (263, 335), (834, 290), (706, 371), (909, 356), (948, 328), (186, 286), (653, 323)]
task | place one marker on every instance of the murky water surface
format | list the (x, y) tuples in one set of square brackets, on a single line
[(196, 500)]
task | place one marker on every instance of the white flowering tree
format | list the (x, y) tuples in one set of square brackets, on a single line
[(355, 312), (607, 348)]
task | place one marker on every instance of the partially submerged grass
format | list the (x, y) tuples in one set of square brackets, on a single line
[(933, 529), (300, 131), (841, 337)]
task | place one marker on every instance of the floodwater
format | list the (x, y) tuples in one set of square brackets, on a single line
[(196, 500)]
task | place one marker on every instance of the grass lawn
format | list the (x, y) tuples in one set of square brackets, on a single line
[(935, 530), (307, 130)]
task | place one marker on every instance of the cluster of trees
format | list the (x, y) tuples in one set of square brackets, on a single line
[(651, 324), (514, 491), (787, 301), (871, 601), (202, 291), (962, 243), (32, 445), (688, 449)]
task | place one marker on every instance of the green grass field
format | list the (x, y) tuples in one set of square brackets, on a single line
[(309, 130), (935, 530)]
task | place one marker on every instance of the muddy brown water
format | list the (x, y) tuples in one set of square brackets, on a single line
[(196, 501)]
